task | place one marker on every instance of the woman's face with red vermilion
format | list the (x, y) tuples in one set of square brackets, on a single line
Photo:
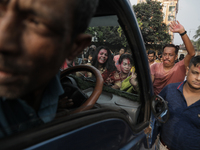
[(102, 56), (126, 66)]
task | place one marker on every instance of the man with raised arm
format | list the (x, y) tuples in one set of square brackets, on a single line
[(168, 72)]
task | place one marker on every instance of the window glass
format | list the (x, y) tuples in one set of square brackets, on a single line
[(120, 83), (171, 8), (170, 18)]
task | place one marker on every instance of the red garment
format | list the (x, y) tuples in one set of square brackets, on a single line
[(65, 64), (110, 78), (118, 67), (116, 59), (163, 78)]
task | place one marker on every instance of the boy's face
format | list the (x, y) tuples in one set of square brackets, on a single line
[(193, 77)]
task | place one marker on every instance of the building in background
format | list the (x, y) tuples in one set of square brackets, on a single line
[(170, 10)]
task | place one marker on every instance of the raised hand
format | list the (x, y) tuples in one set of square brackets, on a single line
[(133, 79), (176, 27)]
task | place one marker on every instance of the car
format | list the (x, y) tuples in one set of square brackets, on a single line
[(102, 117)]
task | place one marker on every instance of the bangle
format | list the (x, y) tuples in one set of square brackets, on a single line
[(181, 34)]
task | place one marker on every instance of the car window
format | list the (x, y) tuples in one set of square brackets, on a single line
[(79, 86), (107, 32)]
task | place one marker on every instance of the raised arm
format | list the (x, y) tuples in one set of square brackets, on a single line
[(176, 27)]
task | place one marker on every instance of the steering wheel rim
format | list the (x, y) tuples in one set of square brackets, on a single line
[(97, 89)]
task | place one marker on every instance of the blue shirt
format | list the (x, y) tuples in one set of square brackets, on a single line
[(16, 115), (182, 130)]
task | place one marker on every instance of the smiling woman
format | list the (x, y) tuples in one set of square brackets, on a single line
[(103, 61)]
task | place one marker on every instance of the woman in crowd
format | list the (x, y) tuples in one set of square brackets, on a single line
[(126, 76), (126, 63), (103, 61)]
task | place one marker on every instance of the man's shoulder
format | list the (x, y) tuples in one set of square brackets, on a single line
[(156, 65), (173, 86), (180, 63), (170, 89)]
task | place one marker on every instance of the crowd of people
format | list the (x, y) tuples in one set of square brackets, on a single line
[(117, 71), (175, 79), (178, 82)]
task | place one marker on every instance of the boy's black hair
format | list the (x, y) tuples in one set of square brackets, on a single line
[(194, 61)]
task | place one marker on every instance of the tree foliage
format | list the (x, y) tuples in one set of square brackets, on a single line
[(197, 36), (111, 35), (150, 18)]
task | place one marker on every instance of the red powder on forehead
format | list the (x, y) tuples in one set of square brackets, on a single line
[(103, 50), (198, 66), (128, 61), (125, 66)]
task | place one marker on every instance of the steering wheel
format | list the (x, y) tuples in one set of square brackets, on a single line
[(89, 103)]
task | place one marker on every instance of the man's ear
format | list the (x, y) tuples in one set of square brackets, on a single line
[(79, 44), (187, 71), (176, 57)]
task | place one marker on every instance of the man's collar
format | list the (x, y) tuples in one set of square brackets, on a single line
[(48, 106), (180, 87)]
